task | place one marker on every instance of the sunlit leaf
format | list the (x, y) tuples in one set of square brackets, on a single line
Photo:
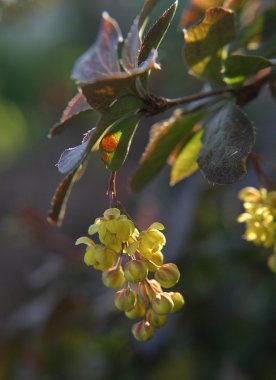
[(124, 132), (196, 9), (185, 163), (228, 139), (239, 67), (156, 33), (73, 157), (102, 93), (76, 106), (205, 41), (164, 137), (101, 59)]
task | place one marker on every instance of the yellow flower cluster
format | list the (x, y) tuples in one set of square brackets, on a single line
[(127, 257), (259, 217)]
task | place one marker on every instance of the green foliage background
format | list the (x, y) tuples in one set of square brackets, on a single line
[(57, 320)]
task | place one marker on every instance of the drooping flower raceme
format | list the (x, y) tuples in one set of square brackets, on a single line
[(127, 257), (259, 217)]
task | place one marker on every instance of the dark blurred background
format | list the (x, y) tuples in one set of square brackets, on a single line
[(57, 321)]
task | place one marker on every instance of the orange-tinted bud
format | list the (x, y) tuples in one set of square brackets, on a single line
[(162, 303), (113, 278), (125, 299), (142, 331), (135, 271), (109, 143)]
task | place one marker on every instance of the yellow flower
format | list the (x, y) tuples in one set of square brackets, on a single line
[(151, 240), (259, 215), (113, 228)]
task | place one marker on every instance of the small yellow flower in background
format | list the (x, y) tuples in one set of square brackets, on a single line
[(259, 216), (126, 257), (113, 228)]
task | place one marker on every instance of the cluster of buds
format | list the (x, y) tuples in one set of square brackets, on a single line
[(127, 257), (260, 219)]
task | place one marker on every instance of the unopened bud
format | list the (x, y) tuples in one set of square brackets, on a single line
[(142, 331), (167, 275), (113, 278), (135, 271), (138, 311), (156, 320), (162, 303), (125, 299), (178, 301)]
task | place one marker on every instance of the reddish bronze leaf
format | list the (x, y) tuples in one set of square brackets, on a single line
[(60, 198), (101, 59), (76, 106)]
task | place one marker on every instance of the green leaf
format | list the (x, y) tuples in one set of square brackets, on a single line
[(185, 163), (73, 157), (156, 33), (124, 132), (164, 137), (228, 139), (239, 67), (75, 107), (205, 41)]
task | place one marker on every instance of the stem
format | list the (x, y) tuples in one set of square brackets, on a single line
[(261, 175), (191, 98)]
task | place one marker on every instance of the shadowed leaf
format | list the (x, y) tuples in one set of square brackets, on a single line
[(73, 157), (156, 33), (131, 47), (239, 67), (101, 59), (124, 132), (228, 139), (164, 137), (147, 8), (76, 106), (205, 42), (196, 10), (185, 163), (60, 198)]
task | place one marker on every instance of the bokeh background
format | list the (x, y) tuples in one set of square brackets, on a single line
[(57, 321)]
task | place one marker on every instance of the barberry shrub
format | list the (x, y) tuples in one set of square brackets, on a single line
[(229, 49)]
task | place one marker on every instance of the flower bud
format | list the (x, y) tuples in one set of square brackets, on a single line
[(138, 311), (148, 289), (114, 277), (155, 261), (135, 271), (271, 262), (167, 275), (156, 320), (162, 303), (178, 301), (125, 299), (142, 331)]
